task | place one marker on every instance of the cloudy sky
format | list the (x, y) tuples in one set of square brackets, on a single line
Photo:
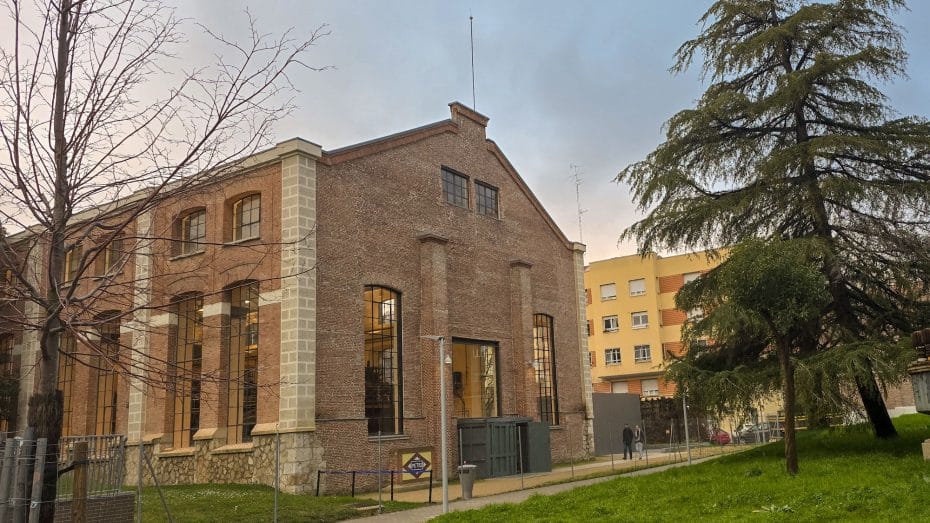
[(563, 83)]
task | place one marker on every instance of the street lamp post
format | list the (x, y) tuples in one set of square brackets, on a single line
[(443, 430)]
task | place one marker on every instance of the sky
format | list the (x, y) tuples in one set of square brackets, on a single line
[(564, 83)]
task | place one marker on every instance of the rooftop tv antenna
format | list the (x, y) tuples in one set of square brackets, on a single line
[(471, 32), (576, 177)]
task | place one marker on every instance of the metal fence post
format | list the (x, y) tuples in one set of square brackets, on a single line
[(277, 474), (79, 495), (353, 483), (6, 476), (22, 474), (319, 474), (38, 474)]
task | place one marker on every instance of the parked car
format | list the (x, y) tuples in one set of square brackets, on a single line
[(719, 437)]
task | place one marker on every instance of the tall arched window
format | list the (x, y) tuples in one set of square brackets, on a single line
[(187, 364), (383, 376), (243, 362), (105, 415), (544, 367), (66, 379)]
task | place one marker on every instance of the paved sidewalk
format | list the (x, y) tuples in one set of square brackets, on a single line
[(431, 511)]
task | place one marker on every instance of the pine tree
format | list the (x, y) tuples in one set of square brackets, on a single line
[(793, 138)]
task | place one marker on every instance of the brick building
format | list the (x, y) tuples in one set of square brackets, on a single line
[(291, 300)]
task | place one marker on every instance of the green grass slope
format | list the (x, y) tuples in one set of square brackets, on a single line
[(846, 475), (234, 503)]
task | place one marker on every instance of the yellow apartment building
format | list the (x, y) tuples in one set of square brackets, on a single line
[(633, 325)]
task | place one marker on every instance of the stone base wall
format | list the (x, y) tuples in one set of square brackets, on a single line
[(301, 455), (119, 508)]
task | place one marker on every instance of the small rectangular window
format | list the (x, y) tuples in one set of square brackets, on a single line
[(608, 291), (689, 277), (638, 287), (485, 199), (592, 358), (193, 232), (612, 357), (455, 188), (112, 256), (642, 353), (69, 267), (247, 214), (611, 324), (650, 387), (619, 387), (590, 327), (640, 320)]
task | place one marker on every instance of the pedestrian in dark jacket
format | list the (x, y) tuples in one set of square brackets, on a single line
[(627, 442)]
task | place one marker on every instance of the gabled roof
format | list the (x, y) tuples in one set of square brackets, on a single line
[(391, 141)]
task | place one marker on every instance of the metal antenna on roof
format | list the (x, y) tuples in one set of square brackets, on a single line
[(576, 177), (471, 31)]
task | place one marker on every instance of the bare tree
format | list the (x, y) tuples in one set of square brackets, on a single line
[(97, 129)]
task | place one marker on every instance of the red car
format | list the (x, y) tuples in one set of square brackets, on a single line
[(719, 437)]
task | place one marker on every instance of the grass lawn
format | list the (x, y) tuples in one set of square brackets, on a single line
[(846, 475), (233, 503)]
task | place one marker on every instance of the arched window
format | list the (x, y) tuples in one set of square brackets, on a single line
[(105, 415), (192, 232), (188, 354), (66, 378), (243, 362), (544, 367), (383, 375), (246, 217)]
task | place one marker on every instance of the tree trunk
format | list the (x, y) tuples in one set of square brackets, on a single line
[(875, 407), (791, 448), (45, 414)]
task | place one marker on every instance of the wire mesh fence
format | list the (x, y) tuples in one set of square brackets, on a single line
[(106, 465), (27, 461)]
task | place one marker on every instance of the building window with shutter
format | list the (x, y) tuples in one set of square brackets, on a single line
[(638, 287), (642, 353), (611, 323), (640, 320), (608, 291), (612, 356)]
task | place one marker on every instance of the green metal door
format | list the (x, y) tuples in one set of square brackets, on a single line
[(503, 455)]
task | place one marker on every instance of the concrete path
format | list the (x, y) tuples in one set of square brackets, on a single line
[(429, 512)]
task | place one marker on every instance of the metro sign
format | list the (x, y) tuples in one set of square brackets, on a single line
[(416, 465)]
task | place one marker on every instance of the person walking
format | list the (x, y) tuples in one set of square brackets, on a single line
[(627, 441), (639, 439)]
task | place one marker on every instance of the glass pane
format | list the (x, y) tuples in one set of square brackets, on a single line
[(475, 379), (383, 392)]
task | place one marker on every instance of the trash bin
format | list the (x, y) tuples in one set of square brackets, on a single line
[(467, 473)]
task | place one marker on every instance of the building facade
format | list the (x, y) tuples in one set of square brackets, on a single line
[(633, 327), (296, 299)]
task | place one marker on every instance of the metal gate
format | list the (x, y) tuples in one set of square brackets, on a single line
[(494, 445)]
